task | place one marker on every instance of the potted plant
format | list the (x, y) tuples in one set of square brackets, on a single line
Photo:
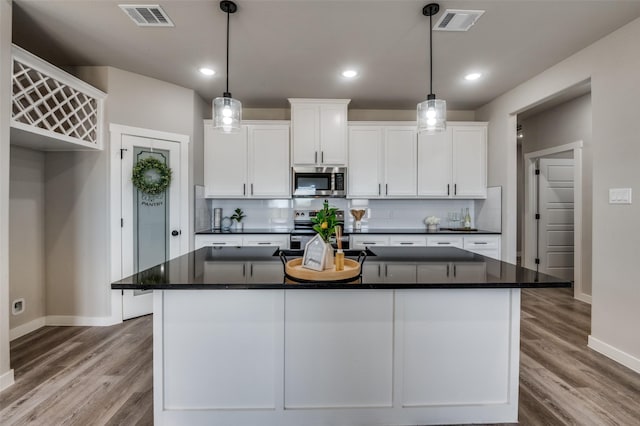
[(237, 217), (432, 223), (318, 251)]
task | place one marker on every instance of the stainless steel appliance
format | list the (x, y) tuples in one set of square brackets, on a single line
[(303, 228), (319, 182)]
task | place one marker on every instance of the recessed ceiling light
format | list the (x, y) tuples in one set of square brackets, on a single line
[(472, 76), (349, 73), (207, 71)]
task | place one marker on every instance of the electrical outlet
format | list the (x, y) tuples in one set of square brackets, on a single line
[(619, 195), (17, 306)]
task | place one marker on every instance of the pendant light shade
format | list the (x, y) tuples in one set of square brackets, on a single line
[(227, 112), (432, 113)]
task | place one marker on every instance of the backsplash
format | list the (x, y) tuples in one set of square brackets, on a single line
[(398, 214)]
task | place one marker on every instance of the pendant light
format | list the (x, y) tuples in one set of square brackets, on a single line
[(432, 113), (227, 112)]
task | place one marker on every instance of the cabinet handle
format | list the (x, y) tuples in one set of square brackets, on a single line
[(264, 243), (447, 269), (386, 270), (244, 189), (479, 242), (218, 244), (378, 269), (443, 243), (379, 190), (251, 189), (251, 270), (406, 243), (373, 243), (455, 189), (322, 157), (386, 189), (448, 189), (454, 270), (315, 157), (244, 269)]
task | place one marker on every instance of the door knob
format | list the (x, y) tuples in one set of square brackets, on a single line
[(175, 232)]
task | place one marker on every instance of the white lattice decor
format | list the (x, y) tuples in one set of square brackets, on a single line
[(51, 109)]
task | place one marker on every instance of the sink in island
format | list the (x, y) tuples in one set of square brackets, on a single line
[(426, 335)]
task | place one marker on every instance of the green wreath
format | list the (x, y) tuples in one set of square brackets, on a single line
[(151, 176)]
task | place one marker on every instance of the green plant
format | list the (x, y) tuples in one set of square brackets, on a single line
[(238, 215), (151, 176), (325, 221)]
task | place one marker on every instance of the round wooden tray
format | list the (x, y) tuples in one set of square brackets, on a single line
[(293, 269)]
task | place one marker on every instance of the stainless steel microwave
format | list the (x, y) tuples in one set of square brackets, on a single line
[(319, 182)]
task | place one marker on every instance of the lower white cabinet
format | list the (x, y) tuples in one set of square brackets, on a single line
[(242, 240), (486, 245)]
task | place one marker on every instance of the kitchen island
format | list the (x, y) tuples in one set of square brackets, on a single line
[(424, 336)]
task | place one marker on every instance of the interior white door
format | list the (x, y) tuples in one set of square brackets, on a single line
[(555, 232), (151, 231)]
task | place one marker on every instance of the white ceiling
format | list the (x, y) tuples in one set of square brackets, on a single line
[(297, 48)]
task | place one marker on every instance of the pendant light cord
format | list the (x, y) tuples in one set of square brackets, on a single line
[(227, 91), (430, 54)]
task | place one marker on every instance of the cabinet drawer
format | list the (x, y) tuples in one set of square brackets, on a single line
[(281, 241), (445, 241), (481, 242), (218, 241), (408, 241), (362, 241)]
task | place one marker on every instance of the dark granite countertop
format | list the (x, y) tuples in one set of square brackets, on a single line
[(348, 231), (384, 268)]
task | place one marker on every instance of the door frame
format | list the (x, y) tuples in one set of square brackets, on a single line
[(530, 204), (117, 131)]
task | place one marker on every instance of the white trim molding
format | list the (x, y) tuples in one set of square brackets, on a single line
[(6, 380), (614, 353), (530, 207), (61, 320), (117, 131), (26, 328)]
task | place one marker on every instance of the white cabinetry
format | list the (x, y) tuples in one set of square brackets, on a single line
[(361, 242), (319, 132), (242, 240), (382, 161), (453, 164), (486, 245), (253, 163)]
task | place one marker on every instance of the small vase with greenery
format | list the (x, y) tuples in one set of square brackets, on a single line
[(237, 216), (325, 222)]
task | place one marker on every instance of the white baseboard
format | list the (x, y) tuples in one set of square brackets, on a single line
[(6, 379), (615, 354), (61, 320), (583, 297), (64, 320), (26, 328)]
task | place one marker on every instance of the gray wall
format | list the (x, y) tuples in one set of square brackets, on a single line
[(354, 114), (563, 124), (6, 374), (613, 65), (26, 234)]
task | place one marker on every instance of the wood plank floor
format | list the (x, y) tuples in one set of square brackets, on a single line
[(103, 375)]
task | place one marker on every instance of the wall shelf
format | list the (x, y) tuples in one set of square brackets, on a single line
[(51, 109)]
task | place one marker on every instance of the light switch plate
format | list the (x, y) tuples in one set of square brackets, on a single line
[(619, 195)]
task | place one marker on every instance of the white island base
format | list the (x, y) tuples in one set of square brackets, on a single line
[(336, 357)]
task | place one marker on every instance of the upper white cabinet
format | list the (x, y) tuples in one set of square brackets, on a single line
[(319, 132), (382, 161), (453, 164), (253, 163)]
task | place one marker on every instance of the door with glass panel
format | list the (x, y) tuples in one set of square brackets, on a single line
[(150, 222)]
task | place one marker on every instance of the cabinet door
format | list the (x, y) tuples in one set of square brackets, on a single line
[(365, 158), (225, 163), (333, 135), (305, 134), (434, 165), (265, 272), (469, 161), (225, 272), (445, 241), (400, 162), (268, 167), (395, 273), (486, 245)]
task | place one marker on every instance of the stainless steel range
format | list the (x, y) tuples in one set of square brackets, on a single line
[(303, 228)]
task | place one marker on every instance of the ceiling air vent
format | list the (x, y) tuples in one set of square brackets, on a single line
[(457, 20), (147, 15)]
